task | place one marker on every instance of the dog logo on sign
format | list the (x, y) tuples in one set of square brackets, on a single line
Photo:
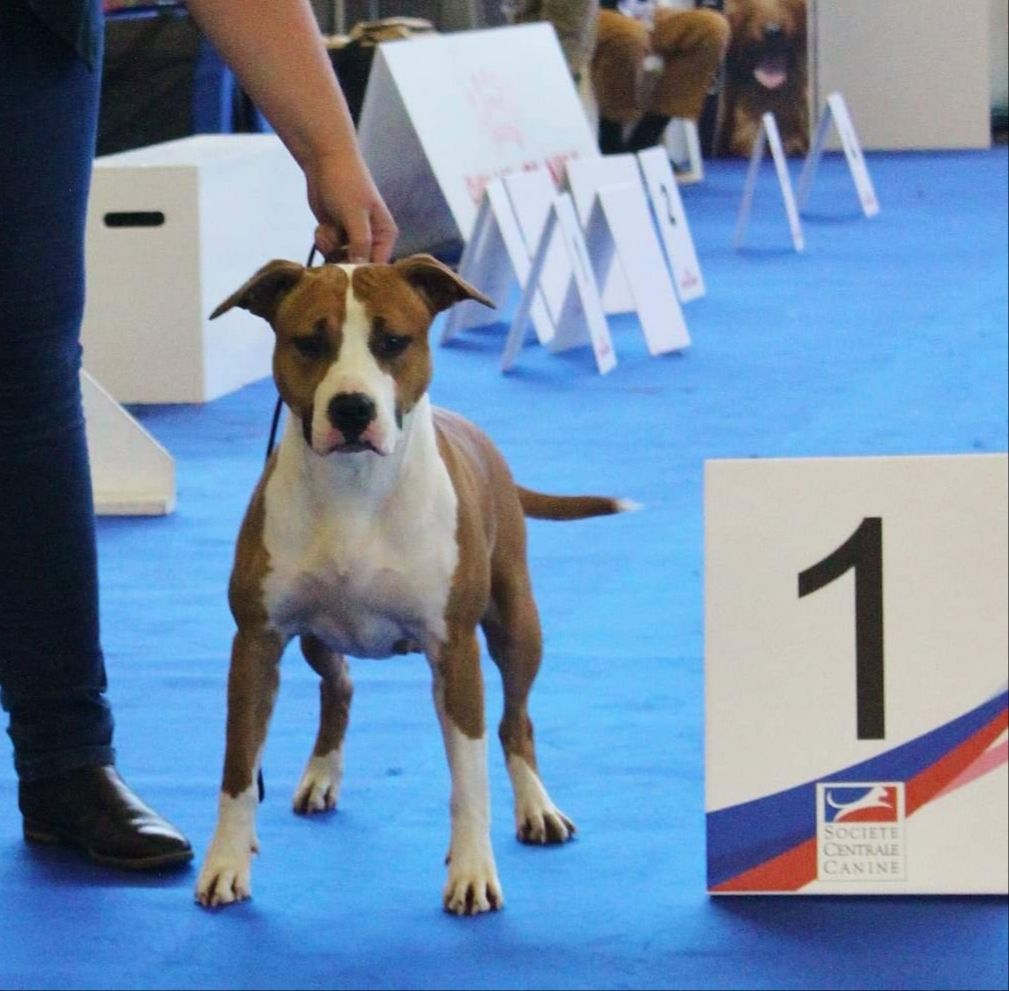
[(860, 831), (493, 101), (876, 803)]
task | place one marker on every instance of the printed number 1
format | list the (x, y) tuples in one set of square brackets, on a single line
[(863, 551)]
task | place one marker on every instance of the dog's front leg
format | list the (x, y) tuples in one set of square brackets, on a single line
[(252, 689), (473, 884)]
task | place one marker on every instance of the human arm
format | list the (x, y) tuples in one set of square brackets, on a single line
[(574, 22), (275, 49)]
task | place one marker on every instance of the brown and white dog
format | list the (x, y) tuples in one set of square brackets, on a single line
[(765, 70), (381, 526)]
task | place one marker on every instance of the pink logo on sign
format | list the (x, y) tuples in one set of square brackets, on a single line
[(491, 97)]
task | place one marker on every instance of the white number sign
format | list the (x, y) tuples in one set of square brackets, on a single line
[(856, 651)]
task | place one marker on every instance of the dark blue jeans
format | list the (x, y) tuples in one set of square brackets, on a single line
[(52, 673)]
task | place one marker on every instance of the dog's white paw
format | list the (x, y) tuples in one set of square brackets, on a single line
[(226, 873), (542, 823), (473, 886), (537, 819), (319, 788), (226, 876)]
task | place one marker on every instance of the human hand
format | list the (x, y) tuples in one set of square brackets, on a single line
[(350, 210)]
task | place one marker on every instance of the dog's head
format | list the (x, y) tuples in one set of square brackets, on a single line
[(768, 44), (351, 357)]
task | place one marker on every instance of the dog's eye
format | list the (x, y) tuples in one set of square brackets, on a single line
[(390, 345), (310, 347)]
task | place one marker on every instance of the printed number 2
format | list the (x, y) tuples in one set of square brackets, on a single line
[(863, 551)]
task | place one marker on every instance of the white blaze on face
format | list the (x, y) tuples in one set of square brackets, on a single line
[(356, 371)]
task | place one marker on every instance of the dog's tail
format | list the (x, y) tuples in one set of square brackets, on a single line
[(551, 507)]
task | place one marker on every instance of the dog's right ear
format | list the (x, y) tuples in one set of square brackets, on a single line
[(264, 291)]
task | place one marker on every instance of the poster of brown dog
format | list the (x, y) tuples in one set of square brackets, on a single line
[(766, 69)]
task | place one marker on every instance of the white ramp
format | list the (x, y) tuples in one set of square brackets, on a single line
[(131, 473)]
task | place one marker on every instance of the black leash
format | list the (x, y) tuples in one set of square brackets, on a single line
[(270, 444)]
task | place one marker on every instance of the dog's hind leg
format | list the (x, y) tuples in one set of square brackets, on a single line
[(319, 788), (512, 629)]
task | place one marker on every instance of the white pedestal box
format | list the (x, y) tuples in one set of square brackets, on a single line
[(172, 230)]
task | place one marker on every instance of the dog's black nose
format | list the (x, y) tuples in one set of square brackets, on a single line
[(772, 31), (351, 412)]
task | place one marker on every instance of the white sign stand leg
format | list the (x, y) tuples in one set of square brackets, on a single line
[(131, 473), (836, 110), (770, 135), (620, 223), (495, 255), (671, 218), (563, 221)]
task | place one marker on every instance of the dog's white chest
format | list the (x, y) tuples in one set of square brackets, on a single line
[(367, 596), (370, 578)]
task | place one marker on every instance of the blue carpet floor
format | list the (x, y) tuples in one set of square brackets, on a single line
[(887, 337)]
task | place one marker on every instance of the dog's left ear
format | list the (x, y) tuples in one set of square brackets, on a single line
[(263, 292), (437, 283)]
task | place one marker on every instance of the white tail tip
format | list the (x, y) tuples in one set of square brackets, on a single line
[(628, 505)]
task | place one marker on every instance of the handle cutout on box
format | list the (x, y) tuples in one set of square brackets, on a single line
[(135, 218)]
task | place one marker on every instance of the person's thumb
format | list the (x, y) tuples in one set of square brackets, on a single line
[(327, 240)]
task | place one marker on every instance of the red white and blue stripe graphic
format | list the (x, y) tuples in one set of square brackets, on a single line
[(769, 844)]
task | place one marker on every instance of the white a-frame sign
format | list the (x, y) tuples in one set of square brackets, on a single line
[(561, 226), (587, 176), (584, 179), (620, 223), (532, 196), (495, 257), (667, 204), (836, 110), (770, 135), (446, 114), (620, 235)]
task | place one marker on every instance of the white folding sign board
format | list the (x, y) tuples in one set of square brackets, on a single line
[(587, 283), (562, 221), (445, 114), (585, 178), (856, 646), (621, 215), (495, 258), (532, 196), (671, 217), (836, 111), (770, 135)]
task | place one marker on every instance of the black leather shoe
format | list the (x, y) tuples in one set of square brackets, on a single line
[(93, 809)]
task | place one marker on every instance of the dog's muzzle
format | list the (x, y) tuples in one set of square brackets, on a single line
[(771, 70)]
